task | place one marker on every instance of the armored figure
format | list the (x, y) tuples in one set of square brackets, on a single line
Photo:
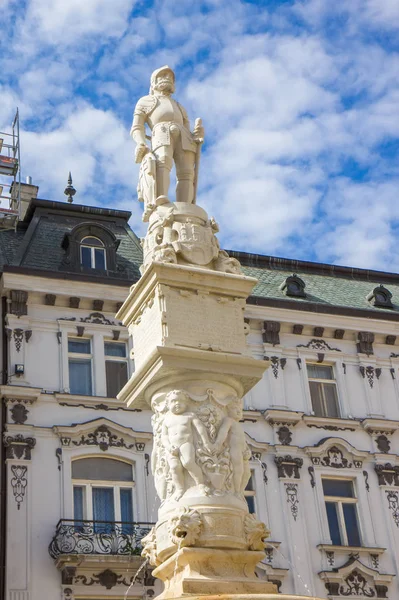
[(171, 141)]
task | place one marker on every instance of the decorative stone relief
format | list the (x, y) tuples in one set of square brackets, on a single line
[(288, 466), (275, 363), (19, 299), (256, 533), (355, 585), (18, 447), (284, 435), (18, 335), (19, 413), (366, 480), (271, 332), (330, 559), (107, 579), (383, 443), (291, 490), (19, 483), (198, 445), (97, 318), (393, 505), (184, 527), (365, 344), (104, 439), (375, 561), (387, 474), (297, 329), (312, 479), (369, 372), (49, 299), (318, 344), (334, 458)]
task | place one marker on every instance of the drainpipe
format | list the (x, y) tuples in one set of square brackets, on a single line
[(3, 466)]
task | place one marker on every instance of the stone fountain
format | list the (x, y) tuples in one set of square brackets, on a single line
[(193, 367)]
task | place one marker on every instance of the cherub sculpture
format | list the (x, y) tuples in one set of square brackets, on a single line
[(178, 430)]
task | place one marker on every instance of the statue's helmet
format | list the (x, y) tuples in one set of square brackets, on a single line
[(158, 72)]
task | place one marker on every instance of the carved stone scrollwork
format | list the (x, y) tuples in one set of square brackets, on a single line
[(393, 505), (288, 466), (18, 335), (104, 439), (18, 447), (366, 480), (330, 558), (318, 344), (291, 490), (356, 585), (387, 474), (184, 528), (334, 458), (312, 479), (256, 533), (275, 363), (19, 483)]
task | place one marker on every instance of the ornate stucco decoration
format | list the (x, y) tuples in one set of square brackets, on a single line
[(291, 490), (319, 345), (18, 447), (354, 579), (288, 466), (102, 433), (393, 505), (388, 474), (19, 483), (336, 453)]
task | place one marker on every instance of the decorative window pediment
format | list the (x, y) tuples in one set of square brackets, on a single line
[(104, 434), (336, 453), (355, 580)]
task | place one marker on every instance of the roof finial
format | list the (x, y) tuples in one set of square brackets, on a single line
[(70, 190)]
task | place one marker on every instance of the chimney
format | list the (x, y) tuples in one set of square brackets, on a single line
[(28, 191)]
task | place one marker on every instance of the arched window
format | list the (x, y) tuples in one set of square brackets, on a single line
[(103, 491), (92, 253)]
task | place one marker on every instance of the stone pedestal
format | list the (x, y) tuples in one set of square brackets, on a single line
[(193, 367)]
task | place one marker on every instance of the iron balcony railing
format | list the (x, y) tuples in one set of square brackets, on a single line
[(98, 537)]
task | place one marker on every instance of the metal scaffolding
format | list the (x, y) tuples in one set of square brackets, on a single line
[(10, 167)]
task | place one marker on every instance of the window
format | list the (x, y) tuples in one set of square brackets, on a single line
[(92, 253), (115, 367), (323, 390), (249, 494), (340, 499), (102, 491), (80, 366)]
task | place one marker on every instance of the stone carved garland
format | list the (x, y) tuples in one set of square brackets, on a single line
[(199, 445)]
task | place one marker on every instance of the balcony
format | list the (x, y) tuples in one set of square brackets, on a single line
[(97, 538)]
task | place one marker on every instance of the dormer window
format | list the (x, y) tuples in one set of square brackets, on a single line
[(92, 253), (293, 286), (380, 297)]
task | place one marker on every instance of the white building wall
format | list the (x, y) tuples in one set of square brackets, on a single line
[(292, 505)]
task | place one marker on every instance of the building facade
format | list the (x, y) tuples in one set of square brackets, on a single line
[(322, 425)]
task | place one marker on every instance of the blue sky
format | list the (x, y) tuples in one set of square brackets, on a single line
[(299, 99)]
